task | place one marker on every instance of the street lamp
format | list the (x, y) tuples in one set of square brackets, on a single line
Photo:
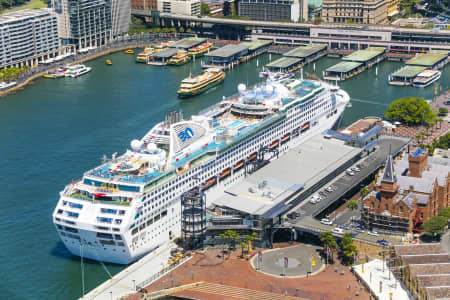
[(134, 284), (110, 293)]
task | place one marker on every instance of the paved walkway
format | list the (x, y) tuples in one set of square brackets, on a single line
[(124, 282), (299, 261), (237, 272), (412, 131)]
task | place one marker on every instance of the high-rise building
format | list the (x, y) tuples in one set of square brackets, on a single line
[(27, 37), (87, 23), (143, 4), (181, 7), (274, 10), (351, 11)]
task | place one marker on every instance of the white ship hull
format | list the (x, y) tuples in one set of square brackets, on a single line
[(123, 233)]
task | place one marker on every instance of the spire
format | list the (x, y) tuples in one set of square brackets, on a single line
[(389, 170)]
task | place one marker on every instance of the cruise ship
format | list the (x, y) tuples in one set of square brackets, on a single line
[(130, 204)]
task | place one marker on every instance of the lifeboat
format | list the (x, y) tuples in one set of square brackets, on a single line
[(209, 183), (238, 165), (305, 126), (225, 173), (274, 144), (285, 138), (252, 156)]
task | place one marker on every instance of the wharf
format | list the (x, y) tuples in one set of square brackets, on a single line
[(405, 75), (430, 60), (355, 63), (161, 58), (230, 55), (188, 43), (285, 64), (141, 273)]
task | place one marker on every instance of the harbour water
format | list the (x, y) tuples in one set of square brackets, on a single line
[(53, 131)]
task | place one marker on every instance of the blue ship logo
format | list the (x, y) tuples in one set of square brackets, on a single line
[(186, 134)]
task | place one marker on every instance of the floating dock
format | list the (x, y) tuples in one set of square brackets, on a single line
[(230, 56), (161, 58), (308, 53), (285, 65), (188, 43), (355, 63), (405, 75), (431, 60)]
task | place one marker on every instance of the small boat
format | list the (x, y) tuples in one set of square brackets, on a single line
[(61, 72), (426, 78), (6, 85), (179, 59), (200, 50), (108, 62), (145, 55), (77, 70), (193, 86), (129, 51)]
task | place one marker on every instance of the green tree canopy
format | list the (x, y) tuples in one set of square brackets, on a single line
[(411, 110), (352, 205), (443, 111), (445, 212), (327, 239), (435, 225), (204, 9), (348, 248)]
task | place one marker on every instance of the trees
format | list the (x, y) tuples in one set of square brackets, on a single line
[(435, 225), (364, 191), (204, 9), (348, 248), (328, 241), (242, 245), (411, 110), (445, 212), (251, 238), (442, 143), (443, 111)]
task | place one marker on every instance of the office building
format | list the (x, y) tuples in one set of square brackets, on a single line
[(180, 7), (91, 23), (274, 10), (143, 4), (27, 37), (349, 11), (408, 193)]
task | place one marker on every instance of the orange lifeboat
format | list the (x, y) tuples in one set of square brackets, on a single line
[(252, 156), (238, 165)]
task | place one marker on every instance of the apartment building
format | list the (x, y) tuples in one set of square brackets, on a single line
[(182, 7), (144, 4), (91, 23), (274, 10), (28, 37), (359, 11)]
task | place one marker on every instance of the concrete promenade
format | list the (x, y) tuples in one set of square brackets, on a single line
[(147, 269)]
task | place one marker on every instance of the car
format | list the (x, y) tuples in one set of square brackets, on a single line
[(383, 242), (326, 221), (373, 233), (359, 229), (329, 189), (313, 201), (322, 193), (345, 226), (447, 102), (350, 173), (337, 230), (355, 169)]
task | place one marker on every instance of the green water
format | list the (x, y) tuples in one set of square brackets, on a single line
[(53, 131)]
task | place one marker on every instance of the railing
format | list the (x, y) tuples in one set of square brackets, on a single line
[(143, 284)]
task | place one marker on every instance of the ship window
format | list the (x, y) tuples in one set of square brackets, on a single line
[(104, 235), (70, 229), (103, 242), (60, 211), (134, 231)]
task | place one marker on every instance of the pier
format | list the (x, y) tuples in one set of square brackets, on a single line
[(230, 56), (161, 58), (431, 60), (355, 63), (405, 75), (188, 43)]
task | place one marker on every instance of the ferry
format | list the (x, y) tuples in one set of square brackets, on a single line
[(426, 78), (161, 46), (193, 86), (6, 85), (200, 50), (130, 204), (179, 59), (61, 72), (145, 55), (129, 51), (77, 70)]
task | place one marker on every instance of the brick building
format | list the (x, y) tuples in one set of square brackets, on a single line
[(143, 4), (407, 193), (424, 269)]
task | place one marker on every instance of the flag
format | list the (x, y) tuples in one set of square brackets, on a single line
[(362, 268)]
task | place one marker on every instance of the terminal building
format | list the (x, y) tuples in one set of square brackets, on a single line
[(28, 37), (274, 10), (408, 192), (259, 201)]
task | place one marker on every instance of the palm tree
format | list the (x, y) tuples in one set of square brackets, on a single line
[(353, 205), (364, 191), (243, 245)]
